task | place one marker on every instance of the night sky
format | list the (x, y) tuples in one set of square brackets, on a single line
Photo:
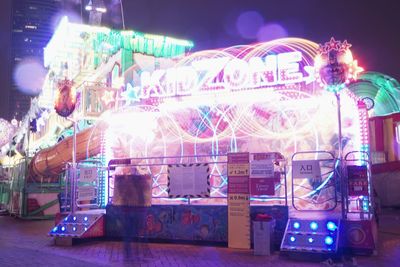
[(373, 27)]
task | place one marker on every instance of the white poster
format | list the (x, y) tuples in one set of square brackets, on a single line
[(88, 175), (306, 169), (191, 180), (261, 168), (86, 193)]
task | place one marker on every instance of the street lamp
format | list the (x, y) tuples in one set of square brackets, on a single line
[(64, 105), (96, 9), (335, 68)]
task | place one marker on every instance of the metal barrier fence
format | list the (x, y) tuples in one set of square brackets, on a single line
[(28, 198), (318, 189), (5, 186), (84, 191), (157, 168), (358, 204)]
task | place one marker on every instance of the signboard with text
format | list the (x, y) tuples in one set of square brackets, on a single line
[(88, 175), (239, 221), (306, 169), (262, 174), (238, 201), (238, 173), (358, 180), (86, 193), (262, 186)]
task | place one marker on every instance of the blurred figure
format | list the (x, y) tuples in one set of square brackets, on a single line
[(132, 195)]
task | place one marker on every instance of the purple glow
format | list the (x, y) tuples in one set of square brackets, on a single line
[(249, 23), (29, 76), (271, 31)]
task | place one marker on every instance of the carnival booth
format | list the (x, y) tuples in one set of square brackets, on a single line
[(198, 145)]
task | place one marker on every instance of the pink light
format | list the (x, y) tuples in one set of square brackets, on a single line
[(29, 75), (271, 31), (249, 23)]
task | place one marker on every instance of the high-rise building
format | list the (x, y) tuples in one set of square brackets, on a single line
[(32, 28)]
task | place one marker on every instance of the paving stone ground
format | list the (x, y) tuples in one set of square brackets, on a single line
[(25, 243)]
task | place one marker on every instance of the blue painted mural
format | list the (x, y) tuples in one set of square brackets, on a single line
[(186, 222)]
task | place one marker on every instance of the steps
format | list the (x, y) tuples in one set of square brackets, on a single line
[(311, 236), (80, 225)]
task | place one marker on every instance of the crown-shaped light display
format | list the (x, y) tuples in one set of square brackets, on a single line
[(335, 66)]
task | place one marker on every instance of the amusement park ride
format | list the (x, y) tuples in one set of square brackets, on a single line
[(197, 144)]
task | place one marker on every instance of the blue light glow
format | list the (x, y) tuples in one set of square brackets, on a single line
[(85, 218), (55, 229), (74, 228), (296, 225), (74, 218), (63, 228), (328, 240), (292, 238), (313, 226), (310, 240), (331, 226), (85, 228)]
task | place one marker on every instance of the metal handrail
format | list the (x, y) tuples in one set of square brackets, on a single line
[(181, 160), (370, 198), (330, 157), (97, 164)]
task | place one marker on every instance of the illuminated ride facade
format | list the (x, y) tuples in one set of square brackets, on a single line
[(144, 99), (257, 98)]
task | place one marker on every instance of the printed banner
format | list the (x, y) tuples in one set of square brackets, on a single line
[(239, 221), (306, 169)]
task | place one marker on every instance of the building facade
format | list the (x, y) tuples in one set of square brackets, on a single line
[(31, 30)]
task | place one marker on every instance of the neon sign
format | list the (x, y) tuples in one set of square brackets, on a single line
[(225, 73)]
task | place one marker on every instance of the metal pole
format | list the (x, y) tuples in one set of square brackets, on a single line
[(73, 173), (122, 14), (340, 155), (340, 126), (65, 202), (81, 12)]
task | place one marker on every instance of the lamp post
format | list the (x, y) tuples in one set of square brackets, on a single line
[(64, 105), (96, 9), (335, 68), (122, 14)]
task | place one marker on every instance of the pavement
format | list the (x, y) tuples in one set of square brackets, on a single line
[(25, 243)]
